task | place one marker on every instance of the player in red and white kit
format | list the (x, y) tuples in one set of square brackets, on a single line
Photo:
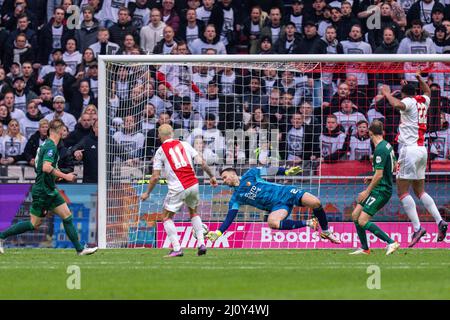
[(413, 154), (175, 157)]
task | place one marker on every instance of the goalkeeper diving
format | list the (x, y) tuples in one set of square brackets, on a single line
[(278, 200)]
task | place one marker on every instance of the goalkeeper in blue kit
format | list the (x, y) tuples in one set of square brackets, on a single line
[(277, 199)]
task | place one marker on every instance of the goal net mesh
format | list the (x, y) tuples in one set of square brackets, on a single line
[(244, 115)]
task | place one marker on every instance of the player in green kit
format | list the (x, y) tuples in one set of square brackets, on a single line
[(378, 193), (45, 195)]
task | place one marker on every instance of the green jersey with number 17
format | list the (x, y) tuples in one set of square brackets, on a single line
[(384, 159)]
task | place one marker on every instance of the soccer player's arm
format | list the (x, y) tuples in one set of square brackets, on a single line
[(380, 161), (376, 178), (393, 101), (48, 168), (199, 159), (153, 180), (423, 84), (233, 210), (157, 166), (208, 171)]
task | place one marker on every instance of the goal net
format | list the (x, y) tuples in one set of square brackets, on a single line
[(251, 111)]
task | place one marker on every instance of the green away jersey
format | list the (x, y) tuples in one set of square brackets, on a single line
[(384, 159), (45, 182)]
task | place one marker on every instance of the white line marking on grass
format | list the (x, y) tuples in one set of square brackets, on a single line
[(212, 264), (228, 268)]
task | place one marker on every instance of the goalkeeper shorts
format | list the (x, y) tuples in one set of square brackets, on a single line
[(289, 198)]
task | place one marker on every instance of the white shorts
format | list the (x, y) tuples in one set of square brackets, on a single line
[(412, 163), (175, 200)]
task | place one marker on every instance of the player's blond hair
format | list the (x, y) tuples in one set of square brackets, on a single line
[(165, 131), (55, 125)]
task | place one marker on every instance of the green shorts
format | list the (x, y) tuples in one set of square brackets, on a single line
[(375, 201), (43, 203)]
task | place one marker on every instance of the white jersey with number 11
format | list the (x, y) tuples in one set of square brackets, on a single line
[(176, 158)]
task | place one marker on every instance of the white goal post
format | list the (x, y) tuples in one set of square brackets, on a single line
[(302, 63)]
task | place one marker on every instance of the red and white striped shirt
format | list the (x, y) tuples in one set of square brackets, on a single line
[(413, 121), (176, 158)]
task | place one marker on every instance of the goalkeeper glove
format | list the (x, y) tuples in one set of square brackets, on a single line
[(257, 152), (214, 235), (293, 171)]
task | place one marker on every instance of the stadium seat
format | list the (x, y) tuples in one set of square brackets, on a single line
[(440, 166), (15, 172), (29, 174), (346, 168)]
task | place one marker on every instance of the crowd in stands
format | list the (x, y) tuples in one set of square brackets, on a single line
[(48, 70)]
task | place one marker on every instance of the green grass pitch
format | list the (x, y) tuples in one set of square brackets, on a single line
[(224, 274)]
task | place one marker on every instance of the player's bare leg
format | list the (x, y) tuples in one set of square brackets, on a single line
[(64, 213), (35, 221), (196, 222), (409, 206), (19, 228), (360, 231), (312, 202), (277, 220), (171, 230), (430, 205), (364, 222)]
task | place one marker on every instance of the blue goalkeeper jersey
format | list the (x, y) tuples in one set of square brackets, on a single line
[(264, 195)]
